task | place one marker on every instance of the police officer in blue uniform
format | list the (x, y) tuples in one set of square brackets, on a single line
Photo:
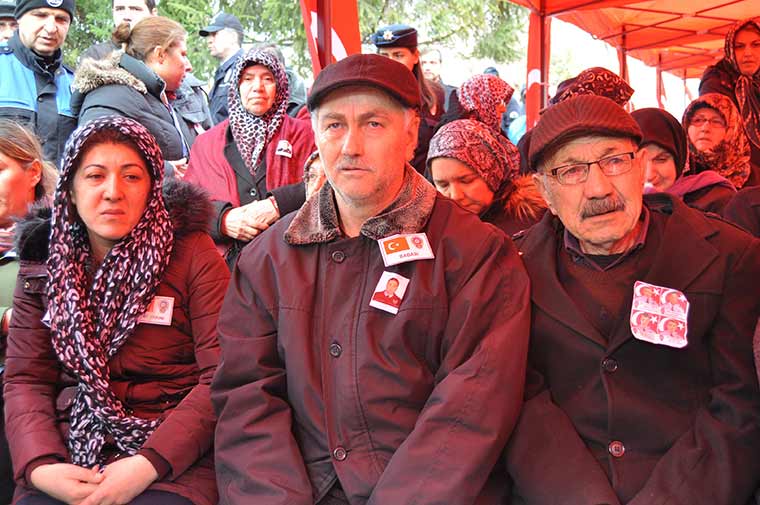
[(225, 38), (35, 88)]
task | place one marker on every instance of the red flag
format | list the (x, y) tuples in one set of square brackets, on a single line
[(395, 245), (343, 21)]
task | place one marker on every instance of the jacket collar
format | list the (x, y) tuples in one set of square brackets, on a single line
[(685, 236), (33, 60), (317, 221), (153, 83)]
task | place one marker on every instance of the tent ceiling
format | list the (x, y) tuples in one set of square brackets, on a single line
[(683, 36)]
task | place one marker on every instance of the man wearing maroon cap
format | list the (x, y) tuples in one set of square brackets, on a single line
[(324, 396), (615, 414)]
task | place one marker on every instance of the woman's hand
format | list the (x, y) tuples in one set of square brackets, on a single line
[(122, 481), (69, 483)]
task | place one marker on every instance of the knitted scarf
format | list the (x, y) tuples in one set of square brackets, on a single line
[(252, 133), (730, 158), (747, 88), (90, 323)]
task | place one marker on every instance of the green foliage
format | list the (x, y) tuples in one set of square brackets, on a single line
[(478, 28)]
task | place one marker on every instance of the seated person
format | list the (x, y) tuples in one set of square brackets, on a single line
[(113, 341), (666, 158), (252, 163), (617, 413), (477, 168), (716, 138)]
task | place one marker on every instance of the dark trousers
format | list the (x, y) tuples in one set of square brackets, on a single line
[(146, 498)]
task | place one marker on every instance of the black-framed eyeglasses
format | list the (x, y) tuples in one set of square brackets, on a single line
[(576, 173)]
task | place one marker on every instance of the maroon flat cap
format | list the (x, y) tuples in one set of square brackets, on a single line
[(367, 70), (578, 117)]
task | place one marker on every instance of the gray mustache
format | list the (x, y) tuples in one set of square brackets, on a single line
[(597, 207)]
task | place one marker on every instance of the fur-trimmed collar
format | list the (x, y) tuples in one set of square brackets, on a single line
[(188, 205), (317, 221), (93, 74)]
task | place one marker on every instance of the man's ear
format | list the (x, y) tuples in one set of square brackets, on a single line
[(412, 132)]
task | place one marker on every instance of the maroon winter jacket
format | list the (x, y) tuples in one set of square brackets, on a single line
[(160, 371)]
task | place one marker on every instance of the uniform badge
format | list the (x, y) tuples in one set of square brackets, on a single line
[(389, 292), (659, 315), (159, 311), (284, 149), (403, 248), (387, 35)]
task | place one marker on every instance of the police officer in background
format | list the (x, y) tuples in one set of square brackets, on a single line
[(35, 85), (225, 38), (8, 23)]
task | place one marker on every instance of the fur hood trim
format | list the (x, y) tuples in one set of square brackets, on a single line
[(317, 220), (93, 74), (525, 201), (188, 205)]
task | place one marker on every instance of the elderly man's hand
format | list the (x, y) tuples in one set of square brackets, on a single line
[(244, 223)]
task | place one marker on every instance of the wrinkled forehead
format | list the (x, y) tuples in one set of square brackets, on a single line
[(46, 11), (256, 70)]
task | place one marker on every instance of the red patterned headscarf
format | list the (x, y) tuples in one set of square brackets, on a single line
[(594, 81), (730, 158), (746, 88), (481, 94), (491, 156)]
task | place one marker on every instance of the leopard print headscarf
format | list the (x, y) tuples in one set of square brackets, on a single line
[(90, 323), (252, 133)]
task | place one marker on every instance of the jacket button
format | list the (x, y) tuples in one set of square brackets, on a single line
[(616, 448), (338, 256), (340, 453), (27, 285), (610, 365), (335, 350), (253, 192)]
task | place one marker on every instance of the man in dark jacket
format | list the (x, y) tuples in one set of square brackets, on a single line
[(324, 396), (618, 411), (35, 85), (225, 38)]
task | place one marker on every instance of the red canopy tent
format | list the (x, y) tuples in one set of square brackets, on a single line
[(677, 36)]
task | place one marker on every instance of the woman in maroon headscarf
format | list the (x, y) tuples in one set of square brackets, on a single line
[(737, 76)]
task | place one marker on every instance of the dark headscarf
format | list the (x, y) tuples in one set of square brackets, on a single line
[(746, 88), (252, 133), (661, 128), (730, 158), (91, 319), (594, 81)]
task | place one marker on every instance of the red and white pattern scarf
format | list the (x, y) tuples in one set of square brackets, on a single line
[(747, 88), (89, 324)]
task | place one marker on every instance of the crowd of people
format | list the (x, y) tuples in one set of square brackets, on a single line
[(367, 293)]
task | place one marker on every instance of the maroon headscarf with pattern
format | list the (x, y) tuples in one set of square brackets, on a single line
[(491, 156), (594, 81), (481, 94), (91, 318), (252, 133), (747, 88), (730, 158)]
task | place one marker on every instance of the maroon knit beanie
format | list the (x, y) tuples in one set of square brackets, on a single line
[(580, 116)]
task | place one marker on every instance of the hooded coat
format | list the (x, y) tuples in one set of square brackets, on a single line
[(160, 371), (121, 85)]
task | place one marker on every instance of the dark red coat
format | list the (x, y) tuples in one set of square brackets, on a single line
[(160, 371), (687, 421)]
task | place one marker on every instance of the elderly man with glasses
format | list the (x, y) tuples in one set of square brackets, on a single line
[(617, 412)]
